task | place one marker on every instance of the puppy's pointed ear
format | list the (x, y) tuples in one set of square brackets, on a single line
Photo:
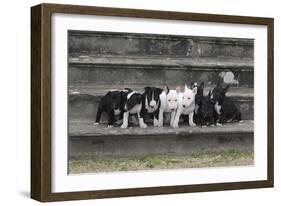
[(193, 84), (159, 91), (185, 87), (178, 89), (166, 89), (194, 90)]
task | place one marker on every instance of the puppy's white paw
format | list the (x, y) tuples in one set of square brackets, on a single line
[(219, 124), (176, 126), (241, 121), (155, 123), (96, 123), (143, 125), (160, 124), (110, 126), (192, 124), (124, 126)]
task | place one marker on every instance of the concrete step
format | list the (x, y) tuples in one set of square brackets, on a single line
[(169, 71), (156, 45), (87, 140), (83, 99)]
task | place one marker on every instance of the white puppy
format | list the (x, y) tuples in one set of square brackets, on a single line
[(169, 103), (186, 105)]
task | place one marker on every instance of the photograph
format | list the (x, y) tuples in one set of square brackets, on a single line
[(148, 101)]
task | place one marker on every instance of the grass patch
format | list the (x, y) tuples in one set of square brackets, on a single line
[(195, 160)]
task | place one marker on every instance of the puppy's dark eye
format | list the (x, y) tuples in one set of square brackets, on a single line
[(188, 98), (176, 100), (169, 100)]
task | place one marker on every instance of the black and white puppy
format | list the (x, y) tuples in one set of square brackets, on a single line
[(150, 104), (224, 106), (111, 103), (131, 104)]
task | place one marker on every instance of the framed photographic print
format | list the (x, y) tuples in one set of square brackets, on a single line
[(130, 102)]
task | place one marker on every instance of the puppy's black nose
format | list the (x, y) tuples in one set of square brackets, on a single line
[(183, 106), (152, 107)]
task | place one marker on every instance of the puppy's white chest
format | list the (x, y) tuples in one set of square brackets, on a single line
[(196, 109), (149, 110), (187, 110), (135, 109), (117, 111), (218, 108)]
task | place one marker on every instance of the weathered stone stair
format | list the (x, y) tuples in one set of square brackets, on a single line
[(87, 140)]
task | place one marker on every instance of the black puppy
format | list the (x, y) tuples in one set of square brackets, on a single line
[(151, 104), (131, 104), (199, 95), (204, 113), (224, 106), (111, 103), (198, 100)]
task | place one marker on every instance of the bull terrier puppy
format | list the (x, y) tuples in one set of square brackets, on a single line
[(131, 104), (169, 100), (186, 106), (151, 104)]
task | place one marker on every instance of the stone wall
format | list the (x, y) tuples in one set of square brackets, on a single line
[(122, 44)]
